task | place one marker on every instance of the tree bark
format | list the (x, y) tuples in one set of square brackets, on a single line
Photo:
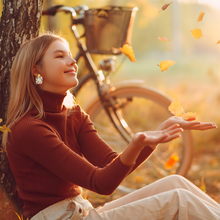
[(20, 21)]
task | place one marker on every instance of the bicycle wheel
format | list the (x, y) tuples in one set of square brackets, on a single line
[(143, 109)]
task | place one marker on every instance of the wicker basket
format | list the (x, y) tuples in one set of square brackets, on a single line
[(108, 28)]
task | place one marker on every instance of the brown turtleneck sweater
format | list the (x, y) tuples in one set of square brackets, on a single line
[(52, 157)]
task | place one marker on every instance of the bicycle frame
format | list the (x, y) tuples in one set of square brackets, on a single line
[(108, 102)]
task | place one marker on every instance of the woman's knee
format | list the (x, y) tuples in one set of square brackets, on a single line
[(175, 178)]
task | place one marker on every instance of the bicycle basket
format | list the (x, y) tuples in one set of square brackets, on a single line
[(108, 28)]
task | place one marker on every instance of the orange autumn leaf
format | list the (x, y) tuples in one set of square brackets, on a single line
[(165, 6), (128, 51), (173, 159), (189, 116), (163, 39), (218, 42), (164, 65), (197, 33), (175, 108), (201, 15)]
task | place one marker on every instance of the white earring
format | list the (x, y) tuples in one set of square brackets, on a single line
[(38, 79)]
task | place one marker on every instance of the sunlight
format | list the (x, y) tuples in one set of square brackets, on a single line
[(212, 3)]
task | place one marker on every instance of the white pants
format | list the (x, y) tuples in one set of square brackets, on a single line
[(172, 197)]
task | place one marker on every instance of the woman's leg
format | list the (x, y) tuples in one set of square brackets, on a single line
[(175, 204), (162, 185)]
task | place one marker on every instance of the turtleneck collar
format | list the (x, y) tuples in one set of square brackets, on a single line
[(52, 102)]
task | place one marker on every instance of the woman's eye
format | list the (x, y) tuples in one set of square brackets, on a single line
[(60, 56)]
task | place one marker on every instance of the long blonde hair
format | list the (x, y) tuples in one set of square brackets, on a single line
[(23, 90)]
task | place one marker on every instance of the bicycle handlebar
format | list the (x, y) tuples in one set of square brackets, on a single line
[(73, 10)]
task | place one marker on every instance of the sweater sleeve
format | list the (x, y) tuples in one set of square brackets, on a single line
[(97, 151), (39, 142)]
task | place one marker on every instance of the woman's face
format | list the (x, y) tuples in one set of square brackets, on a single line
[(58, 68)]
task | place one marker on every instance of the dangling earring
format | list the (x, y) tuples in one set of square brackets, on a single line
[(38, 79)]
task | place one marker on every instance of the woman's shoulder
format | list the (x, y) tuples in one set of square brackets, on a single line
[(26, 125), (76, 113), (76, 109)]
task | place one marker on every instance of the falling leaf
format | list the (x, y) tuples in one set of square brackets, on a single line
[(128, 51), (164, 65), (218, 42), (176, 108), (197, 33), (189, 116), (163, 39), (165, 6), (201, 15), (173, 159)]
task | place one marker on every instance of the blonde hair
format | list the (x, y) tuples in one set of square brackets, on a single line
[(23, 90)]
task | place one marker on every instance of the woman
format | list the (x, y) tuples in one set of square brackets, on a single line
[(53, 150)]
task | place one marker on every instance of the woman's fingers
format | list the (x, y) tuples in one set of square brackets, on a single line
[(204, 126), (171, 137)]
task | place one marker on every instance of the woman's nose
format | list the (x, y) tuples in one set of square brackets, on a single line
[(72, 61)]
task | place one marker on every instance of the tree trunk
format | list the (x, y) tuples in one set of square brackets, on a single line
[(20, 21)]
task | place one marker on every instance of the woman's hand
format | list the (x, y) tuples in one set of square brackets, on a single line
[(148, 138), (186, 124), (152, 138)]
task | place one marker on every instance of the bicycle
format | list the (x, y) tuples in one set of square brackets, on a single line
[(118, 110)]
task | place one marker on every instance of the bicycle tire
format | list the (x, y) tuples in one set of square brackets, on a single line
[(153, 97)]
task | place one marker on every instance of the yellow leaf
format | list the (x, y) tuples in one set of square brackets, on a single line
[(197, 33), (201, 15), (164, 65), (173, 159), (202, 185), (218, 42), (0, 120), (163, 39), (176, 108), (4, 129), (189, 116), (128, 51)]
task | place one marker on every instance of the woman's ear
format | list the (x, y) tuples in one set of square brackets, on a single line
[(35, 70)]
